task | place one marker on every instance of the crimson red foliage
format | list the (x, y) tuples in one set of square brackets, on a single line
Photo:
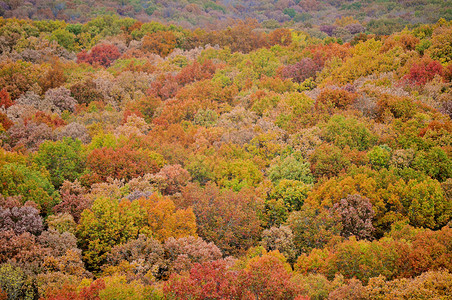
[(264, 278), (211, 280), (92, 292), (104, 55), (424, 71), (5, 99)]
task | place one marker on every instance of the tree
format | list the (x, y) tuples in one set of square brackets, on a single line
[(11, 201), (328, 160), (64, 38), (434, 163), (164, 220), (184, 252), (342, 131), (62, 223), (32, 185), (144, 254), (32, 99), (364, 260), (63, 159), (5, 122), (313, 228), (239, 37), (117, 287), (208, 280), (431, 284), (5, 99), (402, 158), (262, 62), (195, 72), (86, 92), (237, 174), (53, 121), (281, 239), (72, 203), (54, 77), (20, 220), (328, 29), (291, 167), (165, 87), (102, 54), (75, 131), (228, 219), (107, 223), (61, 99), (14, 283), (356, 214), (280, 36), (379, 156), (441, 44), (426, 204), (160, 42), (110, 222), (122, 163), (29, 135), (316, 286), (58, 242), (69, 292), (285, 197), (397, 107), (171, 179), (429, 251), (421, 73), (23, 251), (267, 277), (393, 198), (302, 70), (18, 77)]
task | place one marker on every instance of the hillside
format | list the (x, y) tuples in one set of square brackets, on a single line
[(142, 160), (390, 15)]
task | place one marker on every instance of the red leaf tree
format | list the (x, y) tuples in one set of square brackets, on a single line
[(424, 71), (103, 54)]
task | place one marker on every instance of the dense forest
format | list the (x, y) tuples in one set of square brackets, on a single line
[(285, 150), (380, 16)]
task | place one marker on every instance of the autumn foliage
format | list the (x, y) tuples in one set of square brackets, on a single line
[(127, 163), (421, 73), (5, 99), (104, 55), (290, 157)]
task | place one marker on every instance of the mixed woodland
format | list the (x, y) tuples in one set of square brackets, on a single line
[(378, 15), (271, 157)]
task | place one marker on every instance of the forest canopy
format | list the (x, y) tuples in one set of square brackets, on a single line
[(276, 153)]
